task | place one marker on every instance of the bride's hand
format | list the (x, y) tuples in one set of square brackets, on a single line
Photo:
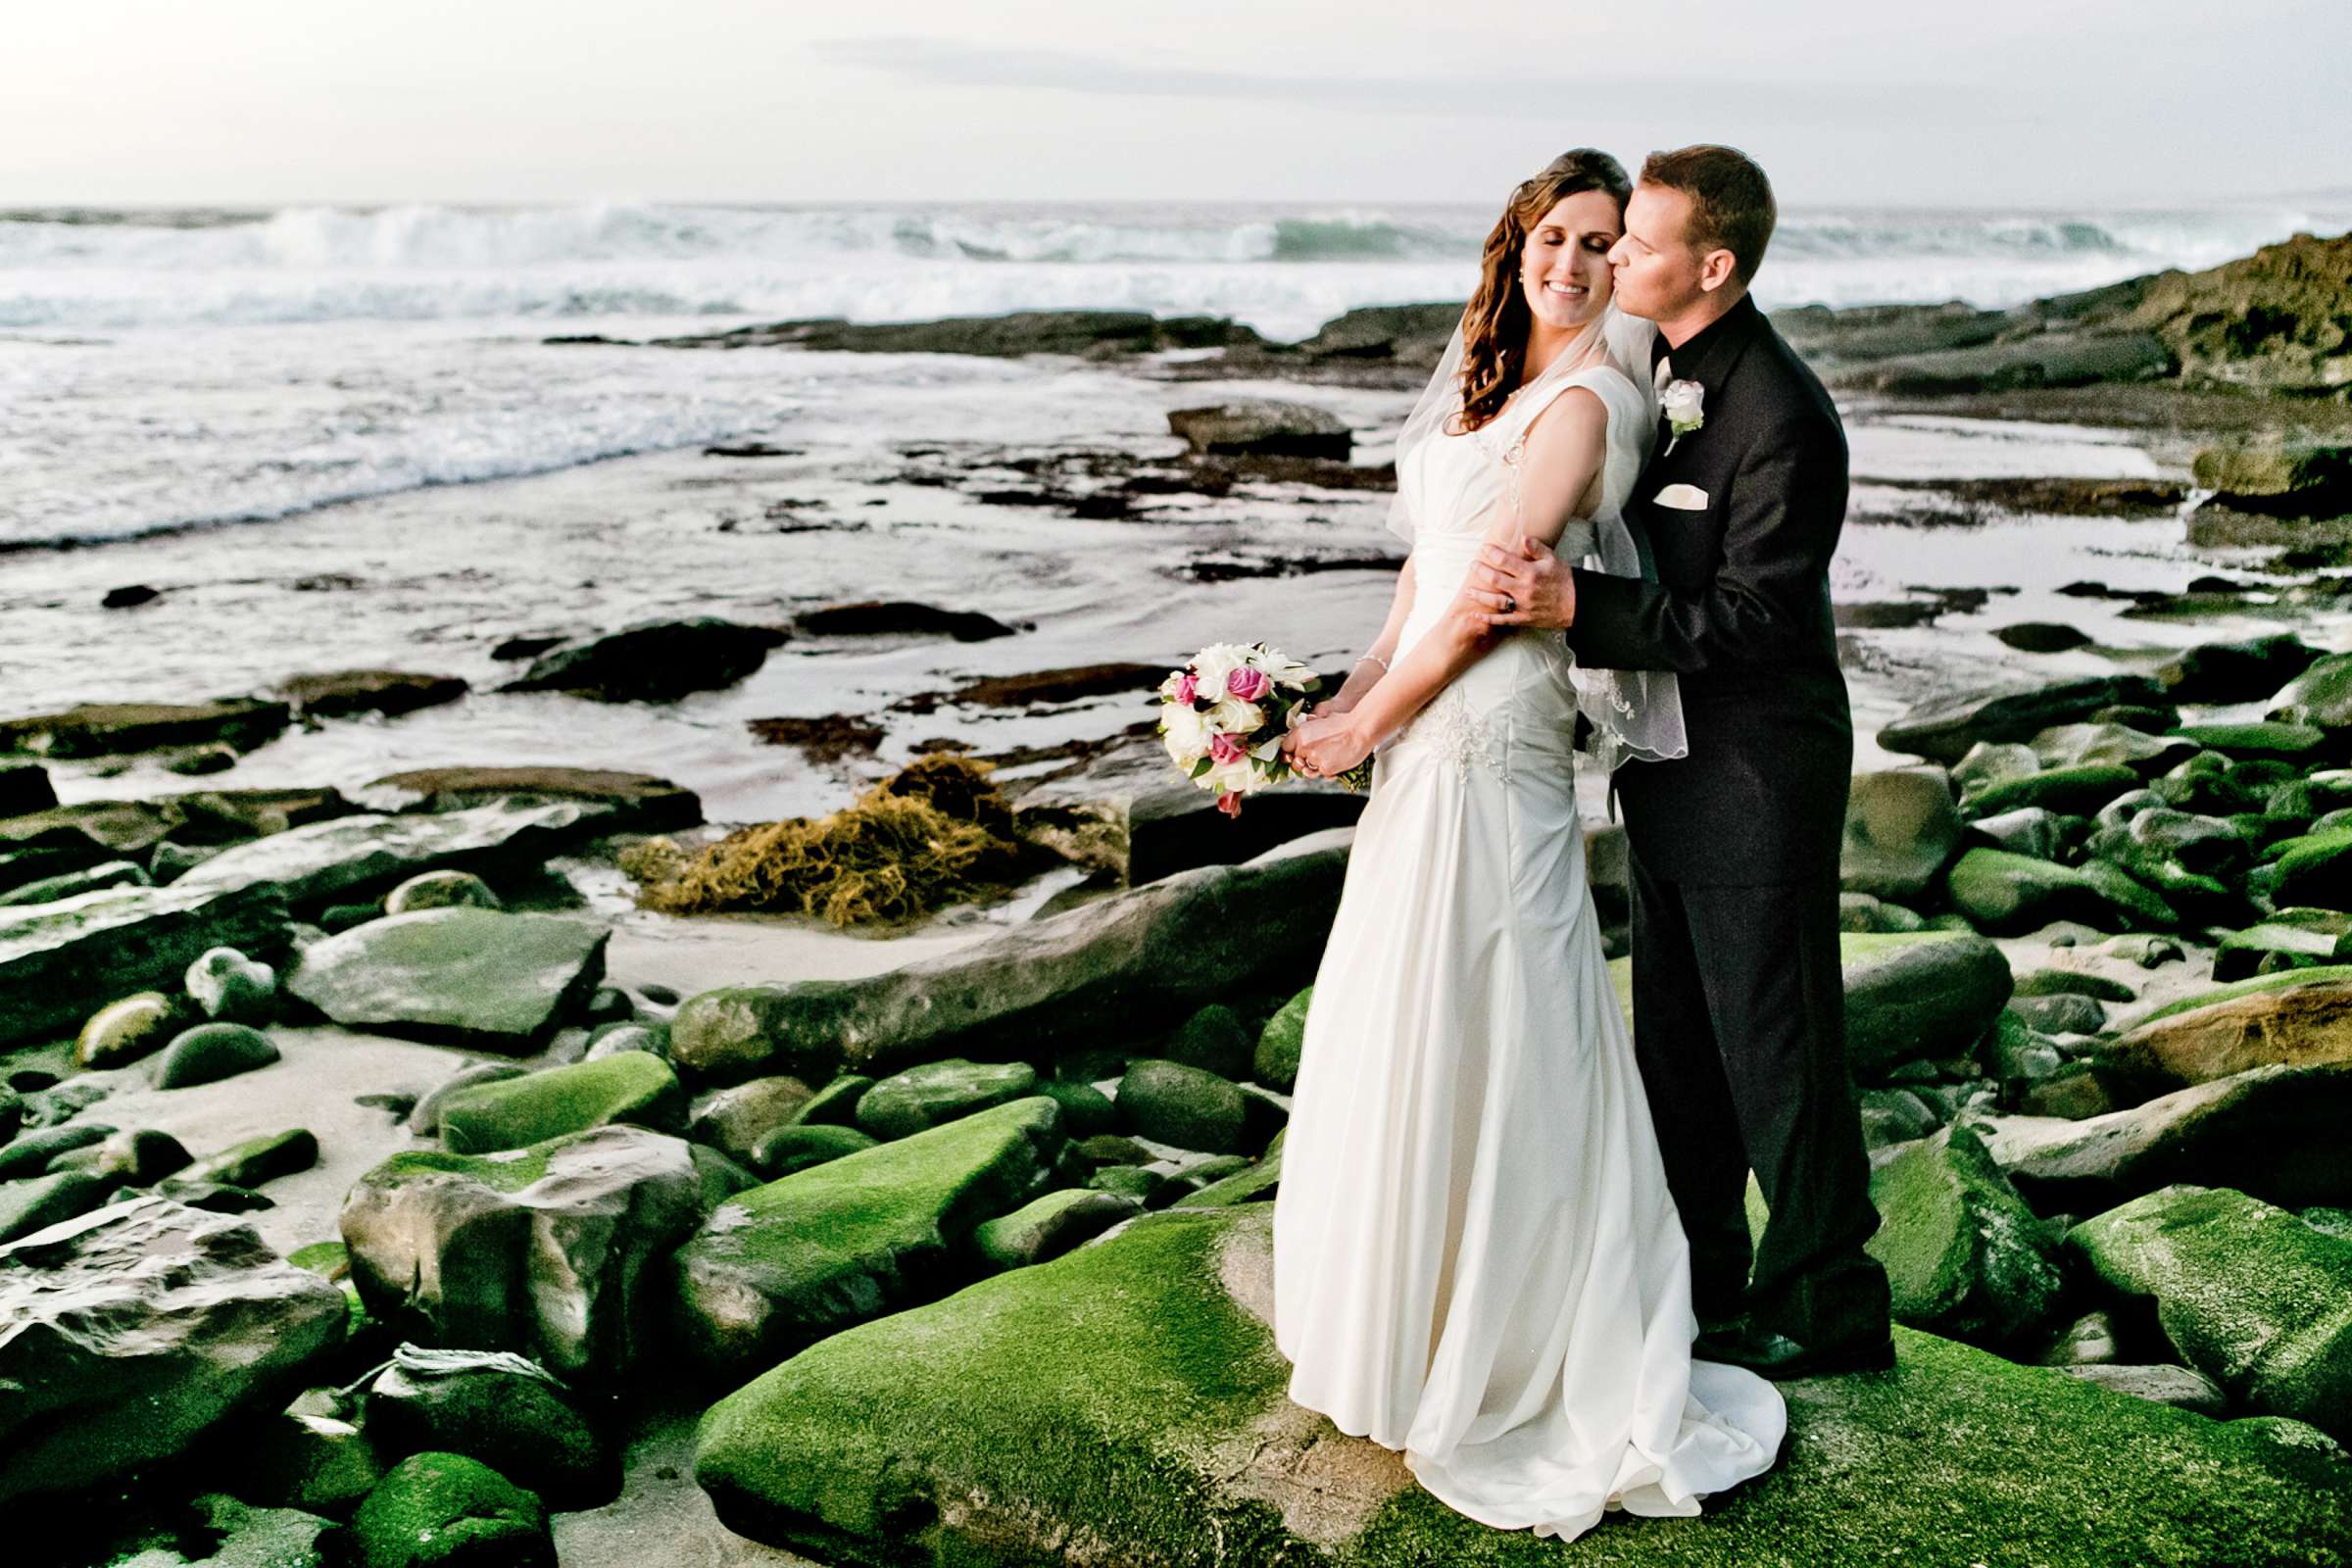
[(1325, 747)]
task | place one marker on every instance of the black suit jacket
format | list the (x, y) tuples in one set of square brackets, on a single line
[(1741, 612)]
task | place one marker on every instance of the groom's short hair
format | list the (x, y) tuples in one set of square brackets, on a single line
[(1730, 201)]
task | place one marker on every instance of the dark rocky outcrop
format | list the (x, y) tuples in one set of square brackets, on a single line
[(99, 729), (342, 693), (1056, 982), (651, 660), (138, 1328), (1263, 427)]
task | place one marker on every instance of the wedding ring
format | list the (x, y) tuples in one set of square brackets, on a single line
[(1510, 606)]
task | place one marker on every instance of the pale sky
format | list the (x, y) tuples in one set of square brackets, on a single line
[(2045, 103)]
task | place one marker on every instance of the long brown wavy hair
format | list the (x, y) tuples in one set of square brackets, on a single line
[(1495, 322)]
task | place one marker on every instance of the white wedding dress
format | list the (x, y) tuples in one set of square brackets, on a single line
[(1476, 1257)]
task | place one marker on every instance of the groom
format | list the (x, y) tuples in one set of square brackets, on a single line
[(1738, 1004)]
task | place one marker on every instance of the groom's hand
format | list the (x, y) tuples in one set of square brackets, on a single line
[(1522, 587)]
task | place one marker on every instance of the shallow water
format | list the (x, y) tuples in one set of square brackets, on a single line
[(434, 579)]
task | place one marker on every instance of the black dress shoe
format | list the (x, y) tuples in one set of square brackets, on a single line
[(1778, 1356)]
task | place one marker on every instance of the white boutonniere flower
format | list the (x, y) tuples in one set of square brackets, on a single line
[(1684, 404)]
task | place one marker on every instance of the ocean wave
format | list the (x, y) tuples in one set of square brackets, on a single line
[(1274, 267)]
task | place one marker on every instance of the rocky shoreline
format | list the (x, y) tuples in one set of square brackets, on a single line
[(379, 1184)]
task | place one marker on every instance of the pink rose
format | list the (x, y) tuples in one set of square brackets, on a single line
[(1248, 684), (1225, 749), (1230, 804), (1188, 686)]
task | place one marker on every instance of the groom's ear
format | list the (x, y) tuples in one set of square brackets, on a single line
[(1716, 268)]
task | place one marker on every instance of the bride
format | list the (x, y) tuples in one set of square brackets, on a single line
[(1476, 1257)]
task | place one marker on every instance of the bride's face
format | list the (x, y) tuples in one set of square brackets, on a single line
[(1564, 265)]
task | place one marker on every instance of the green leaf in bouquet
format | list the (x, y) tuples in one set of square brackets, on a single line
[(1201, 766)]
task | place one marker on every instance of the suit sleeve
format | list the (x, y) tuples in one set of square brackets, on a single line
[(1763, 604)]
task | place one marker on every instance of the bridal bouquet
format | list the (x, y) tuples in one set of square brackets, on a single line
[(1223, 715)]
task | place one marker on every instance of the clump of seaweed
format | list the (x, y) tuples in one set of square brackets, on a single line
[(935, 833)]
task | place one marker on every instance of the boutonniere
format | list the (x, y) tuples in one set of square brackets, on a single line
[(1684, 404)]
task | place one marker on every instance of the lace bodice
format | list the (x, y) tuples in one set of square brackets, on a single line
[(1522, 692)]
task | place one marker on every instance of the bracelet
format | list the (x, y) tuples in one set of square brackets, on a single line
[(1374, 659)]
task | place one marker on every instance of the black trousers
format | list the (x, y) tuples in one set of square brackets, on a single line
[(1739, 1030)]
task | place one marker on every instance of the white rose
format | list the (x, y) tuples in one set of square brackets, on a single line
[(1186, 732), (1684, 404), (1238, 778), (1216, 661), (1237, 717)]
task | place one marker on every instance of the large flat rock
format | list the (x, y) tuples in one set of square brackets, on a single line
[(481, 977), (1159, 950), (2275, 1132), (778, 1267), (129, 1333), (62, 962), (2272, 1021), (638, 802), (99, 729), (352, 856), (548, 1250), (1125, 1404)]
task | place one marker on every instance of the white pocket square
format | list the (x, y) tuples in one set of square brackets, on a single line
[(1682, 498)]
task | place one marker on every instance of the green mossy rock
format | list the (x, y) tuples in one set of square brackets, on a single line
[(444, 1508), (2072, 983), (31, 1153), (137, 1330), (2314, 870), (1169, 1102), (500, 1409), (554, 1251), (1258, 1183), (791, 1148), (1964, 1256), (2249, 1295), (1129, 1396), (1086, 1111), (2273, 1131), (304, 1456), (212, 1052), (464, 976), (1915, 996), (1276, 1062), (937, 1092), (1902, 827), (734, 1119), (2320, 696), (2290, 938), (2004, 893), (631, 1087), (2064, 745), (835, 1104), (2292, 742), (39, 1201), (1943, 730), (1047, 1227), (2077, 791), (1153, 1189), (781, 1265), (1052, 988), (1214, 1040), (125, 1031)]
